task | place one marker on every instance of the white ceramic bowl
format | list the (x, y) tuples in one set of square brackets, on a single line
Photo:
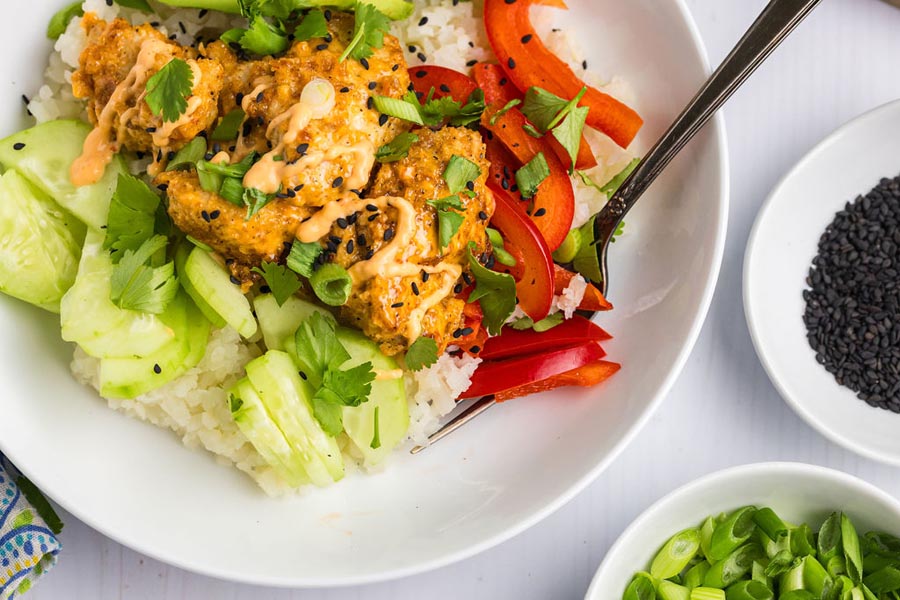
[(798, 492), (513, 466), (780, 251)]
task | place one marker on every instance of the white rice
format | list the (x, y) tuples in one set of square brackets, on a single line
[(195, 406)]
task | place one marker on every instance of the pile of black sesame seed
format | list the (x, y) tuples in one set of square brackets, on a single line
[(852, 312)]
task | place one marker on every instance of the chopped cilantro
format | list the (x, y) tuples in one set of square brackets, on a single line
[(396, 149), (568, 133), (506, 108), (347, 387), (312, 26), (449, 223), (545, 324), (546, 110), (368, 32), (263, 38), (59, 22), (229, 126), (495, 292), (255, 200), (235, 403), (448, 202), (302, 258), (422, 353), (318, 348), (136, 285), (530, 176), (132, 216), (435, 111), (169, 88), (459, 172), (283, 282)]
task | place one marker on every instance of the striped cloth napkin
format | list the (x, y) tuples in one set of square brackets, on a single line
[(28, 528)]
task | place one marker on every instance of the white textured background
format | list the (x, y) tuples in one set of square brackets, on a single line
[(844, 60)]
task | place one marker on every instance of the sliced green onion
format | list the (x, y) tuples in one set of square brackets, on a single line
[(837, 566), (198, 243), (400, 109), (883, 581), (749, 590), (675, 555), (709, 525), (668, 590), (506, 108), (780, 563), (871, 563), (851, 549), (376, 437), (802, 541), (696, 574), (706, 593), (232, 190), (799, 595), (229, 126), (770, 523), (332, 284), (732, 532), (758, 572), (503, 257), (569, 248), (494, 236), (194, 151), (532, 174), (733, 567), (829, 542), (548, 322), (640, 588), (459, 172)]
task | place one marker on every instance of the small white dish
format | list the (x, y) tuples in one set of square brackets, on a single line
[(798, 492), (782, 245)]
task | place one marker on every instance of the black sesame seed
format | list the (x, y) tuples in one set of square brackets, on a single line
[(475, 349), (382, 120), (467, 278), (361, 240), (239, 98), (345, 89), (425, 276), (540, 212), (182, 27), (157, 369), (334, 239), (369, 254), (204, 215), (471, 63), (364, 63), (470, 185), (373, 217), (302, 149), (235, 280), (372, 85), (458, 288), (150, 130), (265, 289), (18, 146), (445, 88), (328, 38), (458, 333), (510, 1), (203, 12), (342, 223), (415, 288), (338, 182), (412, 50), (482, 216), (327, 15), (388, 234), (467, 331), (371, 208), (421, 56), (162, 187), (350, 247), (215, 214), (322, 47), (353, 218), (511, 63), (526, 38), (396, 305), (584, 65), (423, 21), (370, 103), (331, 246), (302, 375), (395, 67)]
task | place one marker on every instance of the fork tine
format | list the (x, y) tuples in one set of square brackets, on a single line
[(475, 409)]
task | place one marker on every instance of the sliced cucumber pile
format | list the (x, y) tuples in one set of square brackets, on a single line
[(388, 397), (39, 244), (44, 155), (279, 323), (210, 284)]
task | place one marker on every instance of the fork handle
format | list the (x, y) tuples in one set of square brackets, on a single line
[(777, 20)]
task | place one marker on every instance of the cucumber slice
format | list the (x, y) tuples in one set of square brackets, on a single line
[(181, 254), (287, 398), (101, 328), (280, 323), (212, 284), (254, 421), (132, 377), (48, 152), (388, 396), (228, 6), (39, 244)]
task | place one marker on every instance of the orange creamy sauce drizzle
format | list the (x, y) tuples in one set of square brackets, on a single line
[(101, 145)]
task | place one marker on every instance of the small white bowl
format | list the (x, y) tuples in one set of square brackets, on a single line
[(782, 245), (798, 492)]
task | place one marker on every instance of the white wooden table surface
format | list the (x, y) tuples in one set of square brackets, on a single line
[(723, 411)]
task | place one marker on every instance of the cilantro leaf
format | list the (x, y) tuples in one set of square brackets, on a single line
[(135, 285), (347, 387), (318, 347), (169, 88), (330, 415), (229, 126), (368, 32), (532, 174), (422, 353), (459, 172), (132, 215), (545, 324), (434, 111), (506, 108), (613, 184), (568, 133), (471, 111), (279, 9), (546, 110), (302, 258), (255, 200), (59, 22), (448, 202), (263, 38), (495, 292), (396, 149), (312, 26), (449, 223), (282, 281)]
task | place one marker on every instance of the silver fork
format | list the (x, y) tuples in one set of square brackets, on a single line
[(774, 24)]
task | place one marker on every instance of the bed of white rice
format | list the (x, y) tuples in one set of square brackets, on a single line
[(195, 406)]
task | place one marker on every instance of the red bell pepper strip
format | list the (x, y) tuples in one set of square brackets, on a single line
[(529, 63), (554, 201), (444, 81), (495, 376), (593, 298), (497, 88), (586, 376), (514, 343), (534, 287), (473, 317)]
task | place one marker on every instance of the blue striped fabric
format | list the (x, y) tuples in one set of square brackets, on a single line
[(27, 546)]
